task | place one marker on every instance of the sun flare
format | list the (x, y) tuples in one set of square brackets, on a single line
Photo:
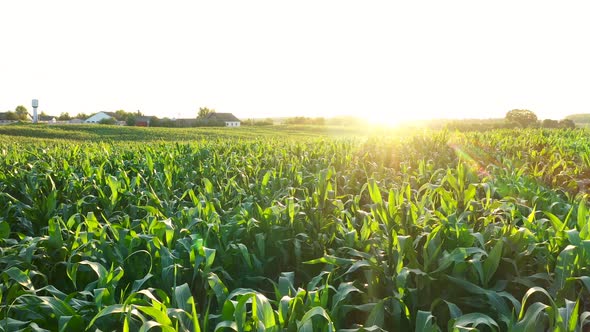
[(387, 119)]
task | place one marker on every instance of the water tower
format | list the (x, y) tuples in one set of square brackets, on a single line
[(35, 105)]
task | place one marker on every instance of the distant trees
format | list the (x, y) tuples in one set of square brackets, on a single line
[(127, 117), (252, 122), (64, 116), (204, 112), (565, 124), (122, 115), (524, 118), (493, 124), (164, 122), (109, 121), (21, 112), (304, 120), (548, 123), (10, 115)]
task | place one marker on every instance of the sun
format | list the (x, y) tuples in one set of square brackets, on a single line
[(387, 119)]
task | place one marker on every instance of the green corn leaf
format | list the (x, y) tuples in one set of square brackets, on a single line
[(55, 238), (306, 323), (582, 219), (475, 320), (572, 315), (160, 316), (10, 324), (425, 321), (208, 186), (374, 192), (36, 328), (4, 229), (532, 320), (218, 287), (565, 267), (557, 224), (137, 284), (223, 326), (106, 311), (490, 265), (71, 323), (332, 260), (148, 325), (264, 312), (285, 285), (344, 289), (529, 293), (183, 297), (20, 277), (377, 315)]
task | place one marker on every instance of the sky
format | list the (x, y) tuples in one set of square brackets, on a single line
[(384, 60)]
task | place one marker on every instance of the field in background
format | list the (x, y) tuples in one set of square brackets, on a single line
[(293, 228), (130, 134)]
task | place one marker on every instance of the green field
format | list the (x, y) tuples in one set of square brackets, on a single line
[(293, 228), (105, 133)]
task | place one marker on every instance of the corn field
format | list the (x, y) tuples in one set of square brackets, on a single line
[(432, 231)]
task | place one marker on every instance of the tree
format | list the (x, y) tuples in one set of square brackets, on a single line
[(204, 112), (130, 120), (108, 121), (21, 112), (567, 123), (524, 118), (10, 116), (128, 117), (548, 123), (122, 115), (64, 116)]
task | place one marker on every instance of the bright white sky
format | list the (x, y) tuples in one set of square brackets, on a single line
[(387, 60)]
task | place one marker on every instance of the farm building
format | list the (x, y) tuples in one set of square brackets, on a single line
[(6, 117), (96, 118), (185, 122), (47, 118), (228, 118), (100, 116), (142, 121)]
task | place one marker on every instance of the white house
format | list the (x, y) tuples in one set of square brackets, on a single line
[(96, 118), (229, 119)]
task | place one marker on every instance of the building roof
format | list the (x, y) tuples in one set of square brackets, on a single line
[(143, 118), (227, 117), (46, 117), (111, 114), (94, 118)]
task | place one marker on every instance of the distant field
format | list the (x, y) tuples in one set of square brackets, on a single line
[(122, 133), (293, 229)]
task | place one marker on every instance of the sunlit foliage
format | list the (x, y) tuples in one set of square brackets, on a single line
[(429, 231)]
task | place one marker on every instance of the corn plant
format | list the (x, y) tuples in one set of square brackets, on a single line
[(290, 230)]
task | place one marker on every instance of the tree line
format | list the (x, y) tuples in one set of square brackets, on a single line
[(20, 113), (516, 118)]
